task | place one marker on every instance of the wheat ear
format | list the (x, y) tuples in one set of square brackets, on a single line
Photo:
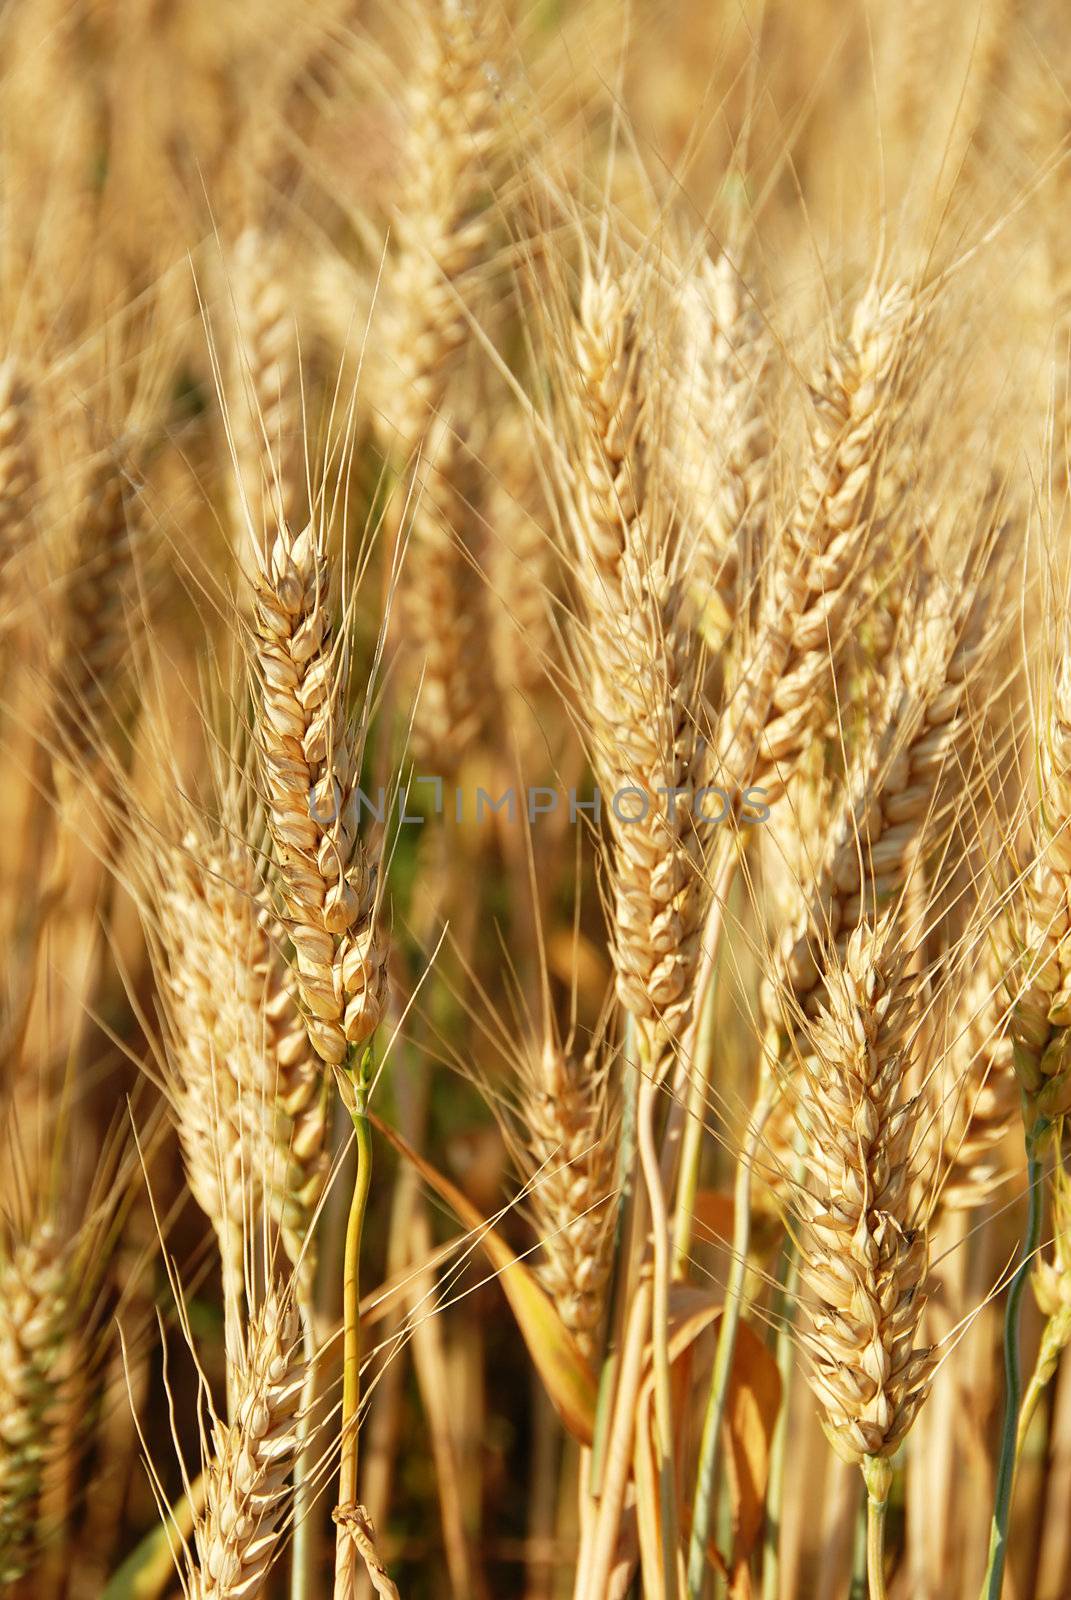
[(251, 1095), (863, 1250), (16, 466), (35, 1321), (520, 565), (91, 635), (888, 813), (442, 234), (782, 681), (221, 1091), (266, 413), (246, 1492), (309, 750), (720, 433), (639, 654), (571, 1159)]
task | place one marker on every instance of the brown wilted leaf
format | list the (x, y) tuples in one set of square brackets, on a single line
[(751, 1413)]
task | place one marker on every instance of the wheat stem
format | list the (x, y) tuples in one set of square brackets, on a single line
[(877, 1473), (686, 1092), (723, 1356), (593, 1574), (355, 1097), (663, 1396), (691, 1141), (993, 1582)]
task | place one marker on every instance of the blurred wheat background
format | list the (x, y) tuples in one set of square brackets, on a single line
[(535, 805)]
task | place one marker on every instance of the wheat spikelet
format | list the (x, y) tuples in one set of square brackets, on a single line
[(720, 430), (863, 1253), (781, 684), (638, 653), (16, 464), (266, 413), (572, 1149), (237, 1535), (310, 759), (35, 1308)]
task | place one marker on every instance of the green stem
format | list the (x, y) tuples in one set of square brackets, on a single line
[(993, 1582), (700, 1074), (877, 1475), (663, 1392), (356, 1104), (775, 1480), (618, 1295), (723, 1355), (692, 1139)]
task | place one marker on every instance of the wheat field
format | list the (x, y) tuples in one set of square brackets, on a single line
[(535, 800)]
